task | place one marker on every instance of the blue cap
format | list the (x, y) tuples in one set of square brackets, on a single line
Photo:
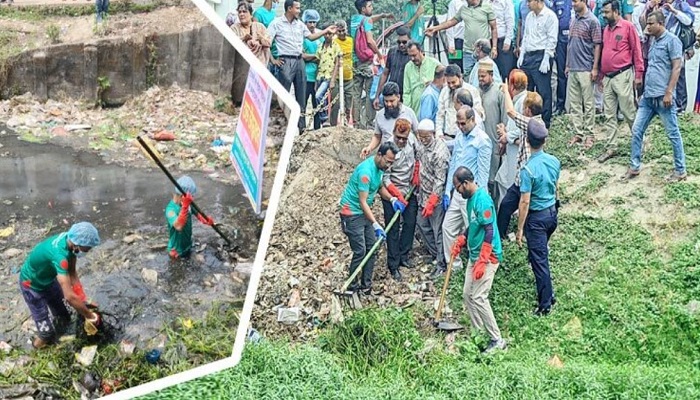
[(84, 234), (187, 184), (310, 16), (536, 130)]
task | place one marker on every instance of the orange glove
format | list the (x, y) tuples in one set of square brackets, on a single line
[(78, 290), (484, 258), (430, 205), (415, 181), (395, 192), (457, 246), (184, 210), (205, 220)]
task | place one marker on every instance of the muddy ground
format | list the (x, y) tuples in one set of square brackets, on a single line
[(308, 255)]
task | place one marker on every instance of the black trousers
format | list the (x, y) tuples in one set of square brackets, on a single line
[(361, 236), (562, 44), (505, 60), (508, 206), (293, 73), (539, 227), (539, 82), (399, 240), (310, 92), (681, 92)]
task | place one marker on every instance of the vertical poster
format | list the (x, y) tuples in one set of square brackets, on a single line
[(248, 148)]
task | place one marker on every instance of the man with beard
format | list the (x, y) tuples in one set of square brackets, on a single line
[(445, 119), (396, 61), (472, 149), (434, 161), (417, 76), (356, 218), (289, 32), (537, 52), (485, 254), (494, 107), (386, 118), (398, 180)]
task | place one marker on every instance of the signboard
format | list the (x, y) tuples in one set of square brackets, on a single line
[(248, 148)]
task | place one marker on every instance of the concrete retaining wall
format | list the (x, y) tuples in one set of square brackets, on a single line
[(199, 59)]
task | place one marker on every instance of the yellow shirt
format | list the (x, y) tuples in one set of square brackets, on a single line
[(327, 56), (346, 47)]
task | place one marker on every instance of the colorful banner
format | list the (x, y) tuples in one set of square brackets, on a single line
[(248, 148)]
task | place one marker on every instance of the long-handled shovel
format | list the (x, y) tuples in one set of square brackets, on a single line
[(350, 298), (445, 325), (155, 159)]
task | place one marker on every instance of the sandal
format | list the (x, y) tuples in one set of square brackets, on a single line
[(588, 143), (575, 140), (606, 156), (676, 177), (629, 175)]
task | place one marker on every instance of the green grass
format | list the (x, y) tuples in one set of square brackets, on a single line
[(686, 194), (38, 13), (207, 340)]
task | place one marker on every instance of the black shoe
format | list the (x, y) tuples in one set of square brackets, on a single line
[(437, 272), (354, 287), (406, 264), (554, 301), (541, 312), (396, 275), (366, 290)]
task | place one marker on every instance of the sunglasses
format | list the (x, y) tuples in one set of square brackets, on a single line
[(402, 41)]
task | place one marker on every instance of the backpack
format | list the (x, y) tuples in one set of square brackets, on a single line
[(687, 37), (362, 50)]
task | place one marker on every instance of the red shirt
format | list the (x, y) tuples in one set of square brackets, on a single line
[(621, 47)]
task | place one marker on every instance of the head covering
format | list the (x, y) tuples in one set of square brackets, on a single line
[(426, 125), (310, 16), (187, 184), (486, 65), (536, 130), (84, 234)]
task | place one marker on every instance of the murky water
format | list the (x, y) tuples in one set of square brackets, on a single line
[(53, 187)]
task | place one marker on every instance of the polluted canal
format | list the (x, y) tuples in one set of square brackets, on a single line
[(149, 301)]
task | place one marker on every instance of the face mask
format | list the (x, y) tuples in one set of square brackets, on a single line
[(274, 6), (79, 254)]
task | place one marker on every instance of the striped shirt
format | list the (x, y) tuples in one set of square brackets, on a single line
[(401, 170), (521, 122), (434, 162), (288, 36), (584, 35)]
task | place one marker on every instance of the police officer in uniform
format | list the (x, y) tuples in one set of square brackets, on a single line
[(538, 208), (562, 8)]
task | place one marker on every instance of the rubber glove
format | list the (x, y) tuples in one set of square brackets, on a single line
[(395, 192), (445, 202), (206, 221), (521, 57), (415, 181), (430, 205), (91, 324), (457, 246), (78, 290), (378, 231), (544, 65), (397, 205), (484, 258), (184, 210)]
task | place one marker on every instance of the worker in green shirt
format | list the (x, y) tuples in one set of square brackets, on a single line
[(356, 218), (48, 277), (179, 218), (485, 254)]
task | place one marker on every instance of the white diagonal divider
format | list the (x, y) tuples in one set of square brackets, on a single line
[(292, 130)]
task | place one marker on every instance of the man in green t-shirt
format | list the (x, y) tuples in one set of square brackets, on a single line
[(179, 218), (485, 254), (356, 218), (48, 276)]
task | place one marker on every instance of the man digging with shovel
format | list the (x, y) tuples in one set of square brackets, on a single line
[(356, 218), (48, 277), (484, 245), (179, 219)]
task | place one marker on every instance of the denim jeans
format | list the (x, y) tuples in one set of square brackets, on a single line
[(101, 6), (648, 108)]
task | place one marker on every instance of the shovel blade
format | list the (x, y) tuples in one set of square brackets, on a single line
[(447, 326), (349, 299)]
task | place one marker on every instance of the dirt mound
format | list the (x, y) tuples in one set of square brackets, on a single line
[(308, 254)]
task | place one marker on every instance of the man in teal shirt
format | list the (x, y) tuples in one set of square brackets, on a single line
[(265, 14), (537, 211), (48, 277), (179, 218), (485, 254), (356, 218)]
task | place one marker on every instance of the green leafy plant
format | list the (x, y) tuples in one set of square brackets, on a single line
[(53, 32)]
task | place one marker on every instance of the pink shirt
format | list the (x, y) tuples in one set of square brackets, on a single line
[(621, 48)]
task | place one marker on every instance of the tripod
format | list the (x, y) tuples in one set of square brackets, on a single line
[(437, 38)]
